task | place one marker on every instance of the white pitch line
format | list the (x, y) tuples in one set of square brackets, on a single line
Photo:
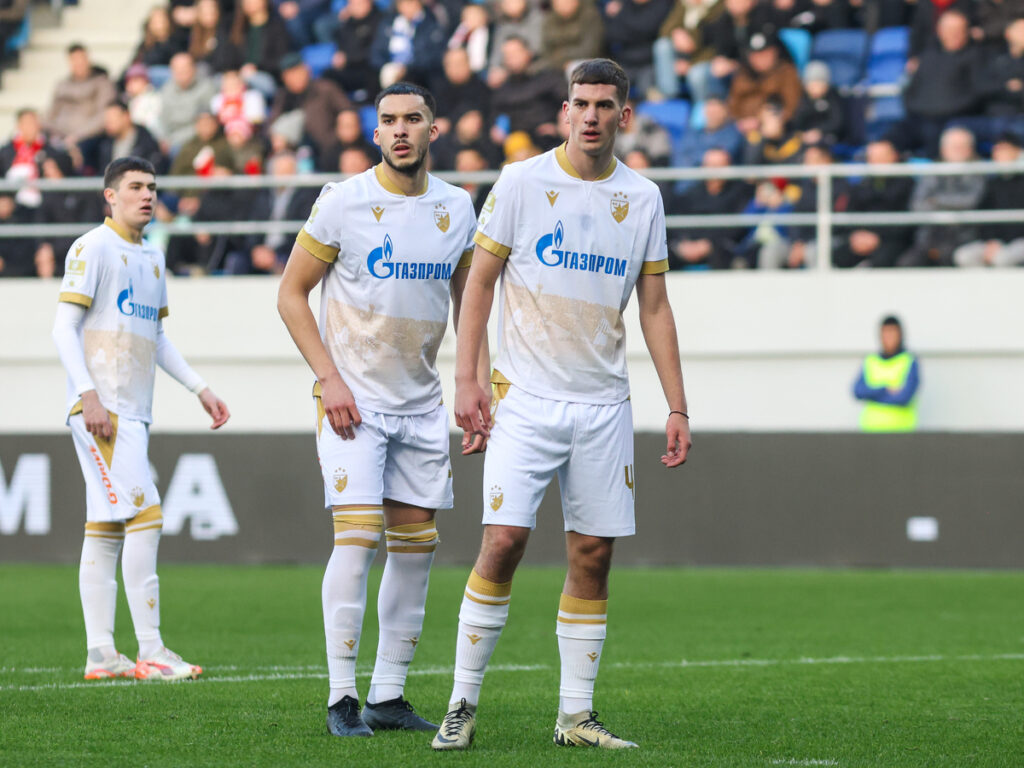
[(811, 761), (310, 672)]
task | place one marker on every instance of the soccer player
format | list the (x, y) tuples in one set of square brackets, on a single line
[(110, 336), (570, 232), (388, 246)]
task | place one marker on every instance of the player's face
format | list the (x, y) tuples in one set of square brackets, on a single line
[(594, 116), (404, 131), (133, 201)]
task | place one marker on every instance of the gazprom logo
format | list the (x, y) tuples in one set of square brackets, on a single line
[(381, 265), (127, 306), (551, 254)]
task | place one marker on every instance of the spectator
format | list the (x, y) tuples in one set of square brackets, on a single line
[(998, 244), (717, 132), (812, 15), (236, 102), (764, 74), (470, 132), (473, 35), (258, 32), (17, 254), (76, 112), (925, 24), (121, 137), (519, 146), (210, 42), (820, 116), (205, 150), (515, 18), (318, 101), (643, 132), (142, 98), (728, 35), (160, 39), (934, 244), (879, 246), (459, 91), (20, 157), (681, 51), (774, 141), (803, 244), (12, 15), (182, 99), (299, 17), (64, 207), (944, 85), (531, 94), (409, 45), (992, 18), (354, 35), (471, 160), (572, 30), (631, 27), (348, 134), (355, 159), (766, 246), (714, 248), (888, 383), (246, 149), (1001, 86)]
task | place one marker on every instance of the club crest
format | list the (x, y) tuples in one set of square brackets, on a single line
[(496, 497), (441, 217), (340, 480), (620, 207)]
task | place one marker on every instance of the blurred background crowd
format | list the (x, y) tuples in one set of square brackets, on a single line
[(286, 87)]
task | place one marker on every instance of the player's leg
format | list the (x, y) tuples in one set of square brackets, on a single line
[(353, 488), (597, 499), (101, 546)]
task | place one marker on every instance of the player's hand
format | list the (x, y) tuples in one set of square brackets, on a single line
[(473, 442), (677, 430), (214, 406), (97, 420), (340, 407), (473, 408)]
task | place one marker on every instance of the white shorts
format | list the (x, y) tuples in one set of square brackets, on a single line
[(402, 458), (590, 447), (118, 480)]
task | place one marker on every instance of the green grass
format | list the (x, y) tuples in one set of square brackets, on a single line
[(845, 668)]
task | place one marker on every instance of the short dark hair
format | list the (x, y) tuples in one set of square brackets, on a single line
[(75, 48), (119, 103), (407, 89), (601, 72), (892, 320), (122, 165)]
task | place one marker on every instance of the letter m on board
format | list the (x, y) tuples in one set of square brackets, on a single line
[(26, 497)]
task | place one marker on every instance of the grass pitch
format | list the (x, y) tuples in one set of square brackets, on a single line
[(701, 667)]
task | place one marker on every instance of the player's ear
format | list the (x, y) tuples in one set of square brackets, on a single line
[(376, 137), (565, 111), (108, 195), (624, 116), (434, 131)]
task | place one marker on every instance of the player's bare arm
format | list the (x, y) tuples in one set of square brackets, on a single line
[(473, 401), (659, 328), (471, 443), (303, 272)]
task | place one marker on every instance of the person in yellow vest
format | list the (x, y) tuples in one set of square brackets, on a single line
[(888, 384)]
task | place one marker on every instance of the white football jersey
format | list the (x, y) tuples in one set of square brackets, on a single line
[(384, 299), (122, 285), (574, 251)]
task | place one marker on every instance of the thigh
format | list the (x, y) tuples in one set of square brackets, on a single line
[(530, 439), (598, 482), (418, 468), (353, 470), (118, 480)]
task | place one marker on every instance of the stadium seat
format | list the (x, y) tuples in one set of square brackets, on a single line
[(882, 114), (798, 43), (19, 39), (843, 50), (368, 119), (318, 57), (672, 115), (887, 60)]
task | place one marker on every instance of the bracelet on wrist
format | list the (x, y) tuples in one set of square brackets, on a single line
[(684, 414)]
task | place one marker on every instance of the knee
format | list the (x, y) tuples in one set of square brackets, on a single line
[(592, 557)]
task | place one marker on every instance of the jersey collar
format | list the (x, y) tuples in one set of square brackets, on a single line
[(120, 231), (390, 186), (563, 161)]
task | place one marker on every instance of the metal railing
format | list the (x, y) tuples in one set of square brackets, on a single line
[(824, 219)]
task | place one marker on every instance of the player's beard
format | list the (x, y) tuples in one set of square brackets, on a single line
[(413, 164)]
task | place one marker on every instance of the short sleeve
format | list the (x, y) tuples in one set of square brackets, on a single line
[(656, 253), (320, 235), (496, 225), (81, 275), (164, 311), (467, 233)]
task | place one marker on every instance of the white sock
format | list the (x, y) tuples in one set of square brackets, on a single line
[(581, 629), (97, 586), (356, 537), (482, 617), (141, 585), (400, 606)]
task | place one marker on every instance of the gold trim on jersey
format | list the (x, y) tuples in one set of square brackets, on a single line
[(654, 267), (164, 312), (466, 260), (122, 232), (491, 246), (325, 253), (75, 298), (563, 162), (390, 186)]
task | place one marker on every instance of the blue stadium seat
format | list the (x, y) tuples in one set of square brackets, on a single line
[(19, 39), (843, 50), (318, 57), (368, 119), (672, 115), (798, 43), (888, 58), (882, 114)]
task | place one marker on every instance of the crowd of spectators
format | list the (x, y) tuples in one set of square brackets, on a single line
[(280, 87)]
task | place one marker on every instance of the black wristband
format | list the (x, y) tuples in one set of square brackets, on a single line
[(681, 413)]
